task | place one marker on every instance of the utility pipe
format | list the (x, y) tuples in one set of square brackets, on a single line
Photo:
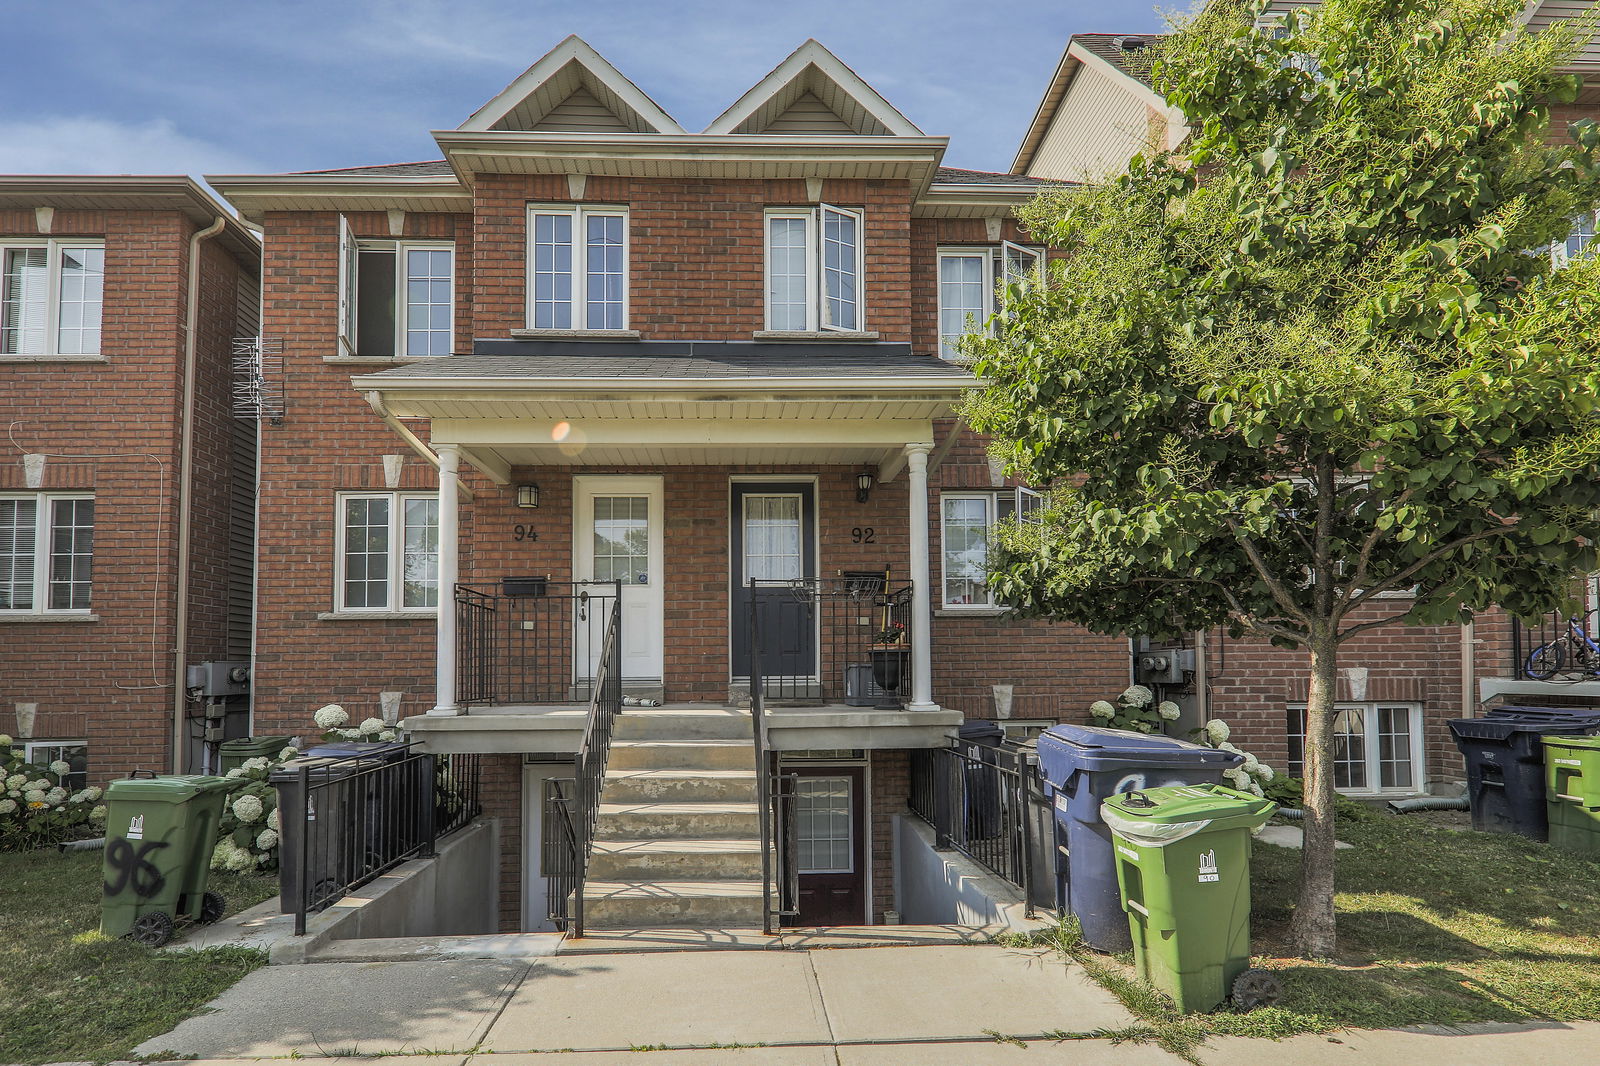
[(1430, 803), (401, 430), (180, 689)]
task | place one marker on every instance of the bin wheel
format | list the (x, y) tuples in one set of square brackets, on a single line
[(152, 929), (212, 907), (1256, 988)]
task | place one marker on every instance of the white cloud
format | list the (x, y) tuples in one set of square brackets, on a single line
[(87, 145)]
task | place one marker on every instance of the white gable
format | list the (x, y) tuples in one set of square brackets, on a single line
[(572, 89), (814, 92)]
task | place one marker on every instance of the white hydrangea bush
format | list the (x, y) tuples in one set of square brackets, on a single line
[(1251, 775), (1135, 710), (36, 806)]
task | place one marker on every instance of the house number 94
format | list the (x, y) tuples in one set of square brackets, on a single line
[(522, 532)]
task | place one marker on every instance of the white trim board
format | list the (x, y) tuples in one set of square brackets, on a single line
[(595, 73), (811, 67)]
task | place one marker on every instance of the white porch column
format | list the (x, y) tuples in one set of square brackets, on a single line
[(921, 598), (449, 570)]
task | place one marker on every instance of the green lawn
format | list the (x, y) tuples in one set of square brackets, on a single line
[(68, 993), (1437, 924)]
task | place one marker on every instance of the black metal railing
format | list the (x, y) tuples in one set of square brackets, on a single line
[(531, 640), (832, 640), (344, 821), (1554, 649), (572, 806), (988, 804)]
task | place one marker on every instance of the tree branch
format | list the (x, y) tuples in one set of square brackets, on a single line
[(1321, 564), (1346, 634), (1396, 579), (1364, 559), (1275, 585), (1240, 613)]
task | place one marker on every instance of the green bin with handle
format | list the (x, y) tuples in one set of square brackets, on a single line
[(160, 832), (1572, 792), (235, 753), (1183, 866)]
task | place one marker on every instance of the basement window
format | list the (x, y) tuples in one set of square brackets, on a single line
[(51, 295), (396, 298), (75, 753), (1377, 747)]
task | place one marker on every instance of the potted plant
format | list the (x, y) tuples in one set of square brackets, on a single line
[(890, 653)]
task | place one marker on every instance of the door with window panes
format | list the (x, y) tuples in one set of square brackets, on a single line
[(619, 538), (774, 540), (830, 844)]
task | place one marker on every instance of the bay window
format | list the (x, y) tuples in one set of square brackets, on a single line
[(388, 557), (577, 268), (814, 269), (51, 297)]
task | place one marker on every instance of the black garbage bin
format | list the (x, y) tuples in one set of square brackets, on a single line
[(979, 740), (390, 805), (1504, 751), (312, 824)]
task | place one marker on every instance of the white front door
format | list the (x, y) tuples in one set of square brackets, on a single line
[(618, 537)]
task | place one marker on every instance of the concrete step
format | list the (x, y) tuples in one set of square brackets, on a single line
[(684, 723), (690, 821), (515, 947), (678, 904), (682, 755), (679, 786), (675, 860)]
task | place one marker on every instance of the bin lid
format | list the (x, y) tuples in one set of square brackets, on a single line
[(1501, 726), (256, 744), (1064, 749), (1584, 743), (322, 769), (346, 749), (981, 731), (1156, 817), (169, 788)]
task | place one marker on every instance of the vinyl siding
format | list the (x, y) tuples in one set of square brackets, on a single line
[(1101, 123)]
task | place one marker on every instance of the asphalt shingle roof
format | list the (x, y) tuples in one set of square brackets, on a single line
[(681, 361), (1133, 62)]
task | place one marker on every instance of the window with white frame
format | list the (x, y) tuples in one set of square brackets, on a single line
[(75, 753), (51, 295), (814, 269), (396, 298), (1377, 747), (388, 557), (1580, 241), (972, 285), (966, 522), (577, 267), (46, 553)]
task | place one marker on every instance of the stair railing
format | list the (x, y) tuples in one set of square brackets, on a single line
[(775, 803), (589, 764)]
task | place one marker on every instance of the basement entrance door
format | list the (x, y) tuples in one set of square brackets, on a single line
[(618, 537), (830, 845), (774, 539)]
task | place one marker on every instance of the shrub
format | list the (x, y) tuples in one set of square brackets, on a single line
[(36, 807)]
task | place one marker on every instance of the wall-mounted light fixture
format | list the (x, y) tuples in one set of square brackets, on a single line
[(528, 496), (863, 486)]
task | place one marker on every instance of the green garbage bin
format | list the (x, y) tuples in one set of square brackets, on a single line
[(1572, 792), (160, 832), (235, 753), (1183, 866)]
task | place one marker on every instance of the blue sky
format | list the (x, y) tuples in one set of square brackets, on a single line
[(180, 86)]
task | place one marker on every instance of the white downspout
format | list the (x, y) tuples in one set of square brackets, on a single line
[(180, 691)]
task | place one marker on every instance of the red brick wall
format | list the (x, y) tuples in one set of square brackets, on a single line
[(891, 788), (112, 426)]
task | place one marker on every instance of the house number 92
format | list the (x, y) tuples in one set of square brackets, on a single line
[(522, 532), (863, 535)]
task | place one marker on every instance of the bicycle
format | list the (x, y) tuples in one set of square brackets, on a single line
[(1552, 657)]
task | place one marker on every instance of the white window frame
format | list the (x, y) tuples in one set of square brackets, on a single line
[(1024, 501), (350, 249), (816, 292), (580, 215), (395, 565), (1372, 754), (29, 746), (43, 530), (52, 311), (1560, 257), (996, 274)]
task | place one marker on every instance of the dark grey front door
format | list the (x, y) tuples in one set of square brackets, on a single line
[(774, 539)]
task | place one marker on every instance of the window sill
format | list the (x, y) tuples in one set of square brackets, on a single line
[(377, 616), (814, 335), (54, 359), (32, 619), (575, 334), (971, 612)]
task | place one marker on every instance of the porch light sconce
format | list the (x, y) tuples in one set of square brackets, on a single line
[(863, 486), (528, 496)]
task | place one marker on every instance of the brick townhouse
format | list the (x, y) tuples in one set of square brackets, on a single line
[(590, 358), (1398, 685), (126, 491)]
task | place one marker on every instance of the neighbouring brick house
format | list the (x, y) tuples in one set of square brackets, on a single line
[(588, 346), (126, 497), (1400, 684)]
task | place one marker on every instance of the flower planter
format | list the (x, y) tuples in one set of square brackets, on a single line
[(889, 667)]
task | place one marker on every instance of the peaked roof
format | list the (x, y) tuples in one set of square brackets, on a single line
[(813, 75), (572, 87), (1131, 53), (1126, 55)]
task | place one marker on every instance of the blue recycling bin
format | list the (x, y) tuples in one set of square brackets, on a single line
[(1084, 765), (1504, 752)]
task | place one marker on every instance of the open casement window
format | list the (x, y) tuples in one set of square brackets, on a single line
[(46, 553), (51, 297), (972, 286), (388, 552), (1579, 243), (577, 267), (1377, 747), (814, 269), (396, 298), (967, 521)]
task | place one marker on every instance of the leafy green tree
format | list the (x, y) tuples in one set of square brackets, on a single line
[(1316, 374)]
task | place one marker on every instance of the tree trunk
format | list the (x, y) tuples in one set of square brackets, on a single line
[(1313, 930)]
